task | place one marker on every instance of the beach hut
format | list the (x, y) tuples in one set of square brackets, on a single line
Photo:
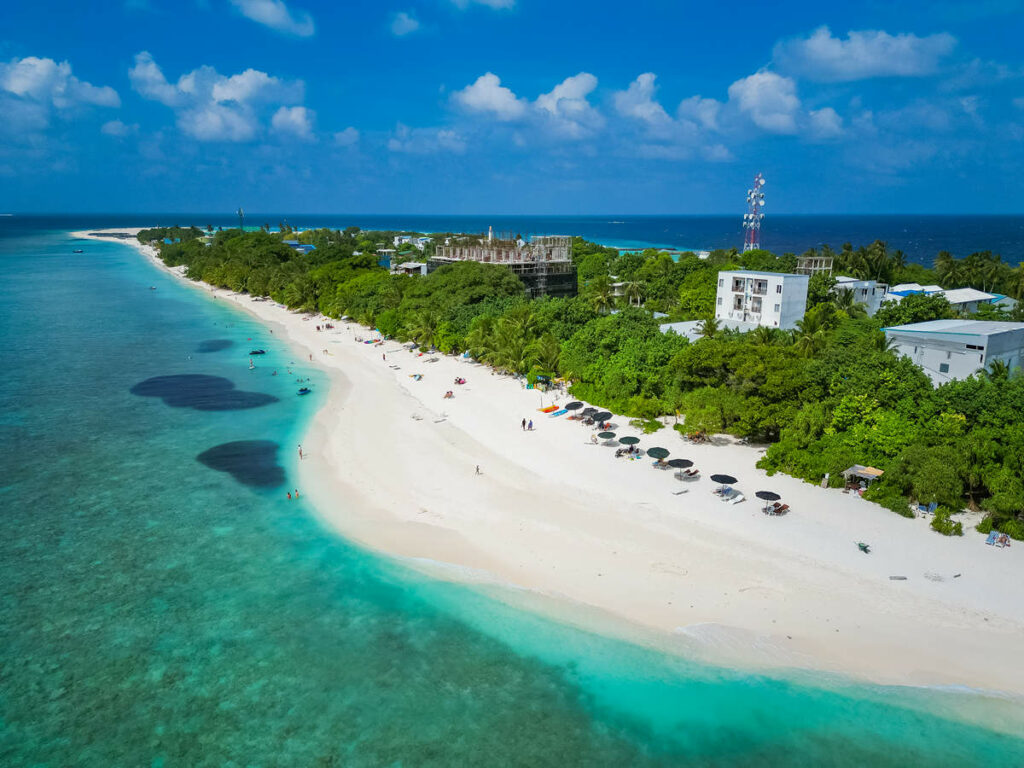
[(861, 477)]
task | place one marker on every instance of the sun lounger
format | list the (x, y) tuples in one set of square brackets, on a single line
[(992, 536), (738, 498)]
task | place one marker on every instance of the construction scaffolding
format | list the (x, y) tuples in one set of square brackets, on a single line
[(812, 265), (544, 264)]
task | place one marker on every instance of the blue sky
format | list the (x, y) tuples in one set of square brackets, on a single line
[(511, 106)]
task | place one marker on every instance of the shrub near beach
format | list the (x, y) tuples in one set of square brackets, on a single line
[(826, 395)]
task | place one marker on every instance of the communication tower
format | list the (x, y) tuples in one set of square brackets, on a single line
[(241, 219), (753, 217)]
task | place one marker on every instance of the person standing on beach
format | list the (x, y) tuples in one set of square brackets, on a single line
[(300, 453), (524, 425), (529, 427)]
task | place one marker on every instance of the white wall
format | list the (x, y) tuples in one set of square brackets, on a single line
[(769, 299)]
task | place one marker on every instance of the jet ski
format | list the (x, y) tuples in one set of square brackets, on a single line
[(305, 391)]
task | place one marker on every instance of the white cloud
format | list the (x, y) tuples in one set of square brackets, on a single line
[(865, 54), (567, 106), (425, 141), (638, 102), (824, 123), (49, 82), (403, 24), (717, 153), (702, 111), (769, 100), (214, 107), (346, 138), (489, 3), (488, 95), (118, 129), (293, 121), (276, 15)]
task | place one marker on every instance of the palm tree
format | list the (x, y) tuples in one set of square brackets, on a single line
[(997, 370), (708, 328), (546, 352), (883, 343), (634, 289), (424, 328), (603, 301), (479, 340), (1016, 282), (810, 334), (944, 266), (844, 300), (764, 336)]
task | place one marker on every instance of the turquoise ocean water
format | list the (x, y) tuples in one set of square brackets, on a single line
[(162, 603)]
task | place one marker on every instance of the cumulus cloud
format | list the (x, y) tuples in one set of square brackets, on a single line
[(214, 107), (347, 137), (293, 121), (118, 129), (702, 111), (276, 15), (824, 123), (769, 100), (403, 24), (638, 102), (426, 141), (49, 82), (488, 95), (566, 105), (865, 54)]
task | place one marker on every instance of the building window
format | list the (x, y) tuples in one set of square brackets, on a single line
[(721, 282), (975, 346), (737, 302), (949, 355), (719, 301), (778, 288), (778, 307), (943, 367), (737, 284)]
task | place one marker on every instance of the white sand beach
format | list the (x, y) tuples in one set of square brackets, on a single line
[(606, 543)]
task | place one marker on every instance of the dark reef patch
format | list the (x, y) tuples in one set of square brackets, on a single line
[(214, 345), (250, 462), (201, 392)]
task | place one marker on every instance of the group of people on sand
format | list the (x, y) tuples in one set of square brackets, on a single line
[(527, 426), (325, 327)]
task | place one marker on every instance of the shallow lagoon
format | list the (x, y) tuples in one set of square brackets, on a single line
[(164, 603)]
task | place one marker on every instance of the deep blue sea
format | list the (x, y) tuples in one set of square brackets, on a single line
[(919, 237), (162, 602)]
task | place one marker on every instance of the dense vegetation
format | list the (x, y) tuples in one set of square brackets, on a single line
[(826, 395)]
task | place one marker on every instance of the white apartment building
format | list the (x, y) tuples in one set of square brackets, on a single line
[(870, 293), (773, 299), (956, 349)]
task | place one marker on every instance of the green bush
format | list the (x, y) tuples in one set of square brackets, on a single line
[(944, 524), (985, 526), (890, 498), (1013, 527)]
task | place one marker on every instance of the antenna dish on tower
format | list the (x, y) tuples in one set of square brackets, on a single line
[(753, 217)]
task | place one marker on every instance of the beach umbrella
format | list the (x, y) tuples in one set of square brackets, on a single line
[(602, 416), (768, 495), (589, 411), (724, 479), (606, 435), (575, 405), (679, 463), (629, 440), (657, 453)]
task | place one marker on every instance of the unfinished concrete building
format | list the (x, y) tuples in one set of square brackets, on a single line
[(544, 264)]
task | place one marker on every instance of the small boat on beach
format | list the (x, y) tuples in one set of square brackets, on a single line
[(305, 391)]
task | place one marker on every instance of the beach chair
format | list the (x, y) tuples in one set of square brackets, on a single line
[(738, 498), (992, 536), (781, 509)]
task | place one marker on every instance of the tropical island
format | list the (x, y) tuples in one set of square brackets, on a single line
[(824, 396)]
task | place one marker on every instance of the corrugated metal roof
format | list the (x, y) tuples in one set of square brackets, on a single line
[(962, 327)]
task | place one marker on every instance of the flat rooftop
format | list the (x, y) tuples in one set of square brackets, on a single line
[(960, 327), (751, 273)]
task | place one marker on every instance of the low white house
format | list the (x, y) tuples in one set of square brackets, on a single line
[(773, 299), (966, 300), (956, 349), (870, 293)]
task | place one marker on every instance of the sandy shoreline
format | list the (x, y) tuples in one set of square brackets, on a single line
[(606, 544)]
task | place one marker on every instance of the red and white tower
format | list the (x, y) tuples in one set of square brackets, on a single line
[(753, 217)]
